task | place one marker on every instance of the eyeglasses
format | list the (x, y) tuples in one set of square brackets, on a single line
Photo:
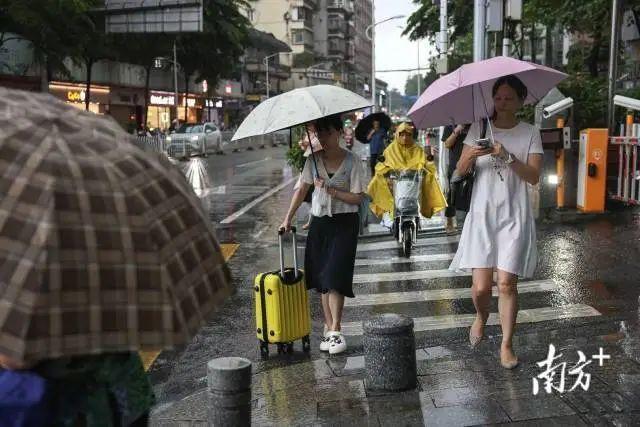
[(405, 133)]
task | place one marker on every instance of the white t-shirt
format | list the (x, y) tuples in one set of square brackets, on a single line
[(353, 182)]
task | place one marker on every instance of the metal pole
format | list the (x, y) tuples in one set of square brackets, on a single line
[(506, 41), (419, 70), (444, 36), (479, 26), (443, 154), (175, 76), (613, 61), (266, 64), (373, 56)]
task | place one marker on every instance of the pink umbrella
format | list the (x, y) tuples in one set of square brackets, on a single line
[(464, 95)]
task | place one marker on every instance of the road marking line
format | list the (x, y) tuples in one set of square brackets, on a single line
[(391, 244), (403, 260), (238, 214), (440, 294), (407, 275), (255, 162), (452, 321), (148, 357)]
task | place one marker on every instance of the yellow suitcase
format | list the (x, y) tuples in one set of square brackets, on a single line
[(282, 306)]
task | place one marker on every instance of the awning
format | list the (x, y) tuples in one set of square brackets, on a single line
[(267, 42)]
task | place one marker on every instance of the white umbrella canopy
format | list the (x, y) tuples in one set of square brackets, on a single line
[(298, 106)]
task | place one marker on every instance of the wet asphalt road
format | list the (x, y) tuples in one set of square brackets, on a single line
[(585, 290)]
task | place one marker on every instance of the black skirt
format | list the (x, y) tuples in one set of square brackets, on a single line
[(331, 252)]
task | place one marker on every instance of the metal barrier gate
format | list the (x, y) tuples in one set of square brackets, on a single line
[(628, 172)]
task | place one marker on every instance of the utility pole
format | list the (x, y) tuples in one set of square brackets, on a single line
[(479, 27), (419, 71), (373, 56), (613, 62), (175, 79)]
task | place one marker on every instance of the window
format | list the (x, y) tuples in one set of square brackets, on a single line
[(298, 37)]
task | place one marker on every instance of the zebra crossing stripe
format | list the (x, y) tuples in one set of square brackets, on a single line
[(403, 260), (452, 321), (406, 275), (391, 244), (440, 294)]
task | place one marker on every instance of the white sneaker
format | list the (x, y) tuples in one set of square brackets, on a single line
[(324, 342), (337, 343)]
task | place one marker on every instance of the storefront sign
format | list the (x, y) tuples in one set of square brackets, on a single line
[(76, 95), (213, 103), (162, 100), (191, 102)]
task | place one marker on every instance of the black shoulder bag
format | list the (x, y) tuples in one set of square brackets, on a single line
[(462, 187)]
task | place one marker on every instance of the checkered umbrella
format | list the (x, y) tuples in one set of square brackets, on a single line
[(103, 247)]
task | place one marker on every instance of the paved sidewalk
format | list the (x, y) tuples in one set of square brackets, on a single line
[(457, 387)]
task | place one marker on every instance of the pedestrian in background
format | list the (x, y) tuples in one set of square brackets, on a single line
[(453, 139), (339, 181), (376, 138), (499, 231)]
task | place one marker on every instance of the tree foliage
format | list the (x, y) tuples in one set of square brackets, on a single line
[(61, 29), (210, 55), (49, 25)]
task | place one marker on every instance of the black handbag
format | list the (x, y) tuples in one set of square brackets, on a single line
[(309, 195), (462, 188)]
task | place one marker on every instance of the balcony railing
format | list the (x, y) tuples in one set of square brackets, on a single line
[(345, 5)]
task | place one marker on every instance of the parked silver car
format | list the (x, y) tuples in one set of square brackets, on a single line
[(192, 139)]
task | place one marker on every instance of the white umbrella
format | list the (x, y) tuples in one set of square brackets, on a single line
[(298, 106)]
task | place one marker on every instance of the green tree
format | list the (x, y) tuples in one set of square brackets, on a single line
[(47, 25), (211, 54), (143, 49), (92, 44)]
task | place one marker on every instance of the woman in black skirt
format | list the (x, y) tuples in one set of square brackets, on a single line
[(338, 179)]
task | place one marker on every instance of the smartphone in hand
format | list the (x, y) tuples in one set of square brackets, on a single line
[(484, 143)]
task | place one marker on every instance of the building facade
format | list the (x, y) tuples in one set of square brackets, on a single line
[(324, 36)]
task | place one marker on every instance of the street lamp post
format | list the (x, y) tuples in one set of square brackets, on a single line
[(158, 64), (266, 65), (175, 78), (372, 37)]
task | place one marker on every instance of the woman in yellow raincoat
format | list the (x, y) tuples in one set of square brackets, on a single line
[(403, 153)]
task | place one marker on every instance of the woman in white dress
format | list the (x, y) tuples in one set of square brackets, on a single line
[(499, 231)]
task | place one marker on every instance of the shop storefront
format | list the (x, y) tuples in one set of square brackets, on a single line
[(233, 102), (127, 106), (159, 111), (76, 94), (190, 109), (212, 110)]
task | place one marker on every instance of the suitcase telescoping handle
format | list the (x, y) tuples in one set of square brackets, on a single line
[(295, 250)]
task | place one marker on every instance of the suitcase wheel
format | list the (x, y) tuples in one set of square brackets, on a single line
[(289, 347), (264, 350), (280, 348), (306, 344)]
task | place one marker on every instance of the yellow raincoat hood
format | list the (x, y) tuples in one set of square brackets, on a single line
[(398, 157)]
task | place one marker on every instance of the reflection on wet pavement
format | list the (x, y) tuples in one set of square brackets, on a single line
[(583, 296)]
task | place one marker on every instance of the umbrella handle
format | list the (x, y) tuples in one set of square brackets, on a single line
[(313, 157)]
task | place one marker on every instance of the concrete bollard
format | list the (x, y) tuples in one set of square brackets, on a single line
[(229, 384), (389, 353)]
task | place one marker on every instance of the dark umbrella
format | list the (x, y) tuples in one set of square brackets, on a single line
[(105, 248), (365, 125)]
